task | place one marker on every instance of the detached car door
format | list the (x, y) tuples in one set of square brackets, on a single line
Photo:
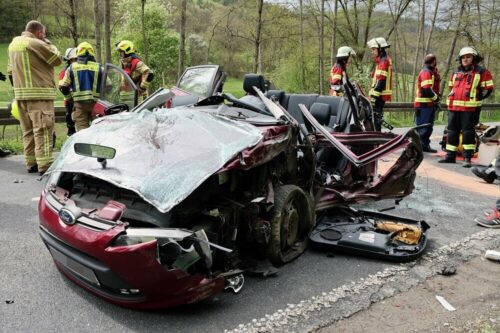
[(117, 93)]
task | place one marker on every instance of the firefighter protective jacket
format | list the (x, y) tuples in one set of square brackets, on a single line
[(427, 87), (467, 88), (336, 74), (382, 78), (138, 72), (84, 78), (31, 64)]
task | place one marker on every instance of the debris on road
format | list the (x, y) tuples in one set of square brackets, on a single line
[(492, 255), (445, 303)]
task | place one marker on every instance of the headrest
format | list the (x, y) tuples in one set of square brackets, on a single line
[(277, 95), (250, 80), (321, 112)]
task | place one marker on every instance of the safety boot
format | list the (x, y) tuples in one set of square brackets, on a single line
[(485, 173), (466, 163), (450, 158)]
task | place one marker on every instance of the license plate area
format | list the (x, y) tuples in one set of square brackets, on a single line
[(74, 267)]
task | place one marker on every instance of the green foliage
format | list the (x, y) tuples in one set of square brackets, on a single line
[(162, 43), (14, 14)]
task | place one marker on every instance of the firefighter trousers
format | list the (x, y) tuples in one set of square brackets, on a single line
[(461, 121), (82, 114), (37, 124), (378, 113), (425, 115)]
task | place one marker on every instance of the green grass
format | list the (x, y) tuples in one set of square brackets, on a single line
[(234, 86), (11, 137)]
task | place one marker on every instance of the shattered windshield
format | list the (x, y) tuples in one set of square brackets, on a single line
[(197, 80), (164, 155)]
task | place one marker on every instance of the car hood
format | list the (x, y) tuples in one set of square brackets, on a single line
[(164, 155)]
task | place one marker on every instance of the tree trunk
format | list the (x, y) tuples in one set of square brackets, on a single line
[(322, 48), (182, 41), (143, 31), (302, 53), (402, 9), (72, 18), (452, 46), (433, 23), (334, 34), (107, 29), (368, 21), (258, 31), (97, 31), (420, 33)]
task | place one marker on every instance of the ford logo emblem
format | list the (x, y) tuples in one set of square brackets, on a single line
[(67, 216)]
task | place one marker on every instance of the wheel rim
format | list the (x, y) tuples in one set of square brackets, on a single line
[(290, 225)]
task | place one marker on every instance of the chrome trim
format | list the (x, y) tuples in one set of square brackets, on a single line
[(83, 221)]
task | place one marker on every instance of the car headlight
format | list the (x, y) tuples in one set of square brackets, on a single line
[(176, 248)]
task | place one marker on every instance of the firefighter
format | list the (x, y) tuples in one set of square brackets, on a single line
[(83, 79), (3, 153), (426, 100), (140, 74), (70, 57), (469, 85), (337, 72), (32, 59), (381, 85)]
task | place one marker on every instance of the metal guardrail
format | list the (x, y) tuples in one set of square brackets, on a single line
[(6, 118)]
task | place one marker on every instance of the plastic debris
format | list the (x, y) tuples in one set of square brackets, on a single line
[(492, 255), (445, 303)]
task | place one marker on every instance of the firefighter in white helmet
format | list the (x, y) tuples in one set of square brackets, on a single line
[(338, 70), (381, 83), (469, 85)]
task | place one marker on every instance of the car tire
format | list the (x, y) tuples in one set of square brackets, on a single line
[(292, 218)]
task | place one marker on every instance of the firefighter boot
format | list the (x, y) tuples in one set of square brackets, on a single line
[(466, 163), (486, 173), (451, 157)]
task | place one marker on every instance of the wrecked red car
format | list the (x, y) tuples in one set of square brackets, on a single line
[(167, 206)]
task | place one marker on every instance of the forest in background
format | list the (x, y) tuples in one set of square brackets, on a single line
[(292, 43)]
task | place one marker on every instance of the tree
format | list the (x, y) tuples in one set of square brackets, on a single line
[(97, 30), (182, 39), (143, 31), (107, 29), (453, 43)]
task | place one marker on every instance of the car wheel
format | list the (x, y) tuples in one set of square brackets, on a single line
[(291, 221)]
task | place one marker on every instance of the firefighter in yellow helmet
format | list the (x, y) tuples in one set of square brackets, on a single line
[(138, 71), (32, 59), (83, 79)]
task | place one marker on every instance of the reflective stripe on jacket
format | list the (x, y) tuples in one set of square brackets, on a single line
[(428, 83), (31, 64), (84, 79), (382, 72), (466, 88)]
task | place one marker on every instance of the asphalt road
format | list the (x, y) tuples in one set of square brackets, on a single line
[(34, 296)]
